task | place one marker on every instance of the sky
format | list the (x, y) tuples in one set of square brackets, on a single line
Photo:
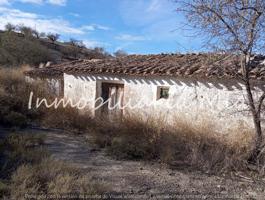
[(135, 26)]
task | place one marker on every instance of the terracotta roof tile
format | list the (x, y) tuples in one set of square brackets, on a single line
[(185, 65)]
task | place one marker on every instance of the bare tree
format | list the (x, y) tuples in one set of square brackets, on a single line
[(53, 37), (76, 43), (10, 27), (237, 27), (99, 53), (120, 53), (42, 35), (36, 34), (25, 30)]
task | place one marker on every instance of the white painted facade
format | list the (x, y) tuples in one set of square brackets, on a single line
[(54, 85), (220, 104)]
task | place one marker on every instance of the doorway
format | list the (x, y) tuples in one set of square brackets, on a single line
[(112, 95)]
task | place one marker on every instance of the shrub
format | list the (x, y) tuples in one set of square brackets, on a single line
[(17, 50), (14, 99), (18, 149), (128, 147), (15, 119), (28, 169), (4, 189), (65, 118), (149, 139), (52, 177)]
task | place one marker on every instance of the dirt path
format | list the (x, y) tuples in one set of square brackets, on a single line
[(147, 178)]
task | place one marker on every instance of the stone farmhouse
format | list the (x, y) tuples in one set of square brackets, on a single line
[(203, 88)]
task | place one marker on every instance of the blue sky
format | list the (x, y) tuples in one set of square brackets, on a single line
[(136, 26)]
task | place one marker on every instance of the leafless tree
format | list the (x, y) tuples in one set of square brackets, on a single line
[(36, 34), (76, 43), (25, 30), (10, 27), (120, 53), (237, 27), (42, 35), (53, 37)]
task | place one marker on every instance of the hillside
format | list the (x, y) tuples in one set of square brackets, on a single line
[(18, 48)]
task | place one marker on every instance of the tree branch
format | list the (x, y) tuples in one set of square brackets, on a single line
[(227, 26), (251, 8), (260, 102)]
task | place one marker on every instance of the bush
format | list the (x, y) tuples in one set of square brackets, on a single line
[(14, 99), (149, 139), (18, 149), (17, 50), (52, 177), (128, 147), (66, 118), (27, 168), (4, 189), (15, 119)]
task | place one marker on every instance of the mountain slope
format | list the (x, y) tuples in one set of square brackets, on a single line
[(17, 49)]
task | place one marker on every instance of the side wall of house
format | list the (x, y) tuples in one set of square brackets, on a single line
[(81, 91), (55, 86), (200, 104)]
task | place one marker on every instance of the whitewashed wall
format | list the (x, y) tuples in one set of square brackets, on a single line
[(54, 85), (221, 105), (80, 89)]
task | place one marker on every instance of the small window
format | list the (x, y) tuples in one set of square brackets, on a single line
[(163, 93)]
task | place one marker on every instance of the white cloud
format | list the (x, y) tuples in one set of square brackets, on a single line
[(94, 43), (57, 2), (88, 28), (94, 27), (42, 24), (100, 27), (144, 12), (153, 18), (53, 2), (74, 14), (14, 13), (32, 1), (155, 5), (130, 38), (4, 2)]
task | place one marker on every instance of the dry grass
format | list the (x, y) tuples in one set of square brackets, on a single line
[(65, 118), (52, 177), (14, 98), (15, 150), (151, 139), (26, 168), (133, 138), (18, 149)]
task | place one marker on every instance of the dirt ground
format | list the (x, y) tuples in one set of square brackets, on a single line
[(148, 180)]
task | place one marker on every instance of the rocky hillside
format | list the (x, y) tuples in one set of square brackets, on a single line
[(17, 48)]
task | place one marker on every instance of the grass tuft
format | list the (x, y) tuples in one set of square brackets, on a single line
[(136, 139)]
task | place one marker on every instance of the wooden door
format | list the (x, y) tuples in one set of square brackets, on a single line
[(112, 95)]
